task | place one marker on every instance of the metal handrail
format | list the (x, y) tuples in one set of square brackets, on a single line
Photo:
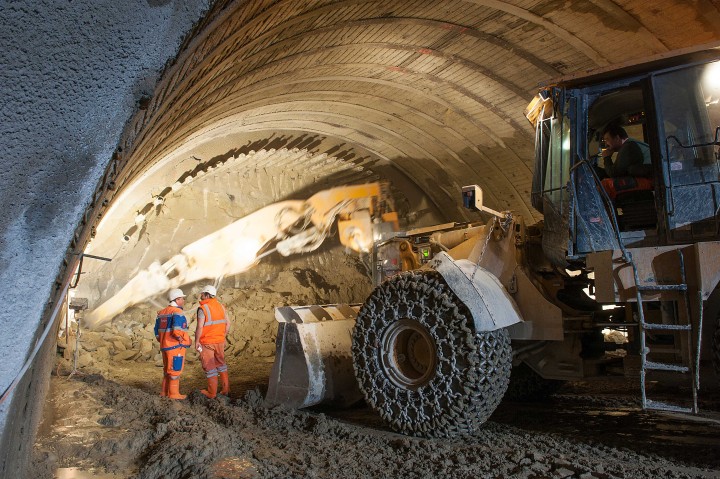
[(716, 142)]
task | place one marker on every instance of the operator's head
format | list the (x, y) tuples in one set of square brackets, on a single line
[(177, 296), (614, 136), (208, 292)]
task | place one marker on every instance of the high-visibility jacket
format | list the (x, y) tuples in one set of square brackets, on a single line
[(171, 329), (215, 321)]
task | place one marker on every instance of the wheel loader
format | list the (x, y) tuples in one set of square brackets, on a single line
[(461, 310)]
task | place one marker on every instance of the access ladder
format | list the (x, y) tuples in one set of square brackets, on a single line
[(682, 324)]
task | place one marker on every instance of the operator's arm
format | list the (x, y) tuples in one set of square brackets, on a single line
[(199, 328), (629, 156), (608, 166)]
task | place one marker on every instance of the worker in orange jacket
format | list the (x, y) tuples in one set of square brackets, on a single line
[(171, 330), (213, 326)]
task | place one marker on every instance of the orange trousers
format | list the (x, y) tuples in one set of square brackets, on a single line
[(212, 359), (174, 362)]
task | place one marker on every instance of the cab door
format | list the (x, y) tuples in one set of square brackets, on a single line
[(688, 111)]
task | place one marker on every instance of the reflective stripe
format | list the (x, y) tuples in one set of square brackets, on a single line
[(211, 374), (206, 310), (219, 321), (174, 328), (208, 317), (175, 347), (222, 369)]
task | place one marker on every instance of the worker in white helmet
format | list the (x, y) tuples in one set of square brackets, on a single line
[(171, 329), (213, 326)]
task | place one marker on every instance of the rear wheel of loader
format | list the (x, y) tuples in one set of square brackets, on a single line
[(421, 364)]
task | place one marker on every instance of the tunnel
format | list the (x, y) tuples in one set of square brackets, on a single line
[(135, 130)]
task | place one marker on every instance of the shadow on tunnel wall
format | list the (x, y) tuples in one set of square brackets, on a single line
[(406, 193)]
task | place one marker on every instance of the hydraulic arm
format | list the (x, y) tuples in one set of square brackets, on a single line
[(288, 227)]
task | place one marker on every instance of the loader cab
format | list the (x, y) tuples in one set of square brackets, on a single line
[(670, 105)]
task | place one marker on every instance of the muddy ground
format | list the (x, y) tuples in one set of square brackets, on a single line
[(106, 420), (587, 430)]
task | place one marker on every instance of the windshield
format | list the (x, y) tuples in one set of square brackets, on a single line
[(688, 106)]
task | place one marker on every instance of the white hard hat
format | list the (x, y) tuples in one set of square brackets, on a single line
[(209, 289), (174, 294)]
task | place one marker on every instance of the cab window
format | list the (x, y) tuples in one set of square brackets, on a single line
[(689, 105), (552, 162)]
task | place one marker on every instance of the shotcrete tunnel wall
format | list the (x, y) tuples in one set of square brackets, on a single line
[(427, 94), (72, 75)]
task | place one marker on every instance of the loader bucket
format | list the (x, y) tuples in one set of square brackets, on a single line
[(313, 359)]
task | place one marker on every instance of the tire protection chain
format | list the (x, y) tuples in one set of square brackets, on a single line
[(473, 369)]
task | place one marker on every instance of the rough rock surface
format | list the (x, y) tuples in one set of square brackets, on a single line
[(72, 74), (329, 276)]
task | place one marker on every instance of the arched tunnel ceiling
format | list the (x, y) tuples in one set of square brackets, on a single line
[(430, 91)]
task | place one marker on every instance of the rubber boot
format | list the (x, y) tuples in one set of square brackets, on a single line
[(225, 383), (164, 391), (211, 391), (174, 389)]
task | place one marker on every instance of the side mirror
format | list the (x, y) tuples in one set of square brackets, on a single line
[(473, 200)]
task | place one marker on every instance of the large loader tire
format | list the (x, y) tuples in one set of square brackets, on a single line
[(420, 363)]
